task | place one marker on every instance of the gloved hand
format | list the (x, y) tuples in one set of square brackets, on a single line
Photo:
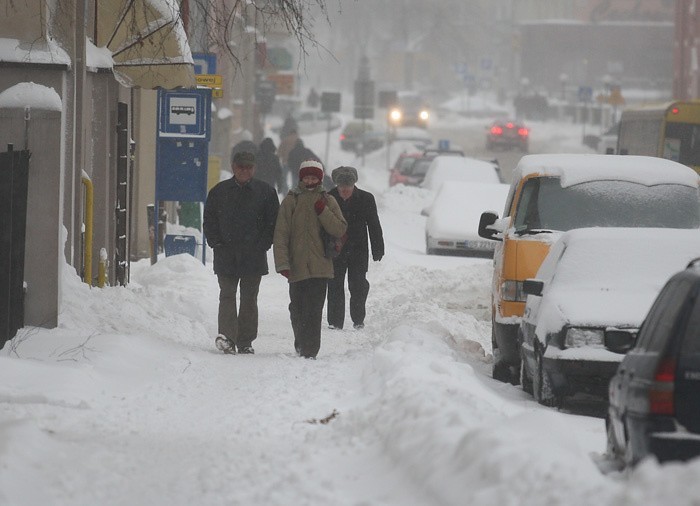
[(285, 273), (377, 258), (320, 205)]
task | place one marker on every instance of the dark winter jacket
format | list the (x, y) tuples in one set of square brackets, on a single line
[(239, 223), (267, 164), (360, 211)]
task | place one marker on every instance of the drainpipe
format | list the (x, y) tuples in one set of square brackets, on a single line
[(87, 246)]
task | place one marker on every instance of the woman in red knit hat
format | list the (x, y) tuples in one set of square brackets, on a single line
[(300, 253)]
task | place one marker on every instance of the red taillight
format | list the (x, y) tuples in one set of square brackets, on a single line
[(522, 132), (661, 391), (675, 110), (496, 130), (342, 137), (509, 125)]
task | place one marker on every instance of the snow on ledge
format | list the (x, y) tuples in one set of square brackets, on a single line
[(31, 95), (41, 52)]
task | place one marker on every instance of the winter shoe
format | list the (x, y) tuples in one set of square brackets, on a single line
[(223, 344), (335, 327), (246, 350), (359, 326)]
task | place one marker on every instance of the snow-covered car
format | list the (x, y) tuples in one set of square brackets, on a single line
[(591, 294), (453, 218), (553, 193), (460, 168)]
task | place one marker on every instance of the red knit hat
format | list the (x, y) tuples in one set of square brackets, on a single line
[(311, 168)]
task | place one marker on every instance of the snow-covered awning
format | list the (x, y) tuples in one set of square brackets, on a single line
[(147, 41)]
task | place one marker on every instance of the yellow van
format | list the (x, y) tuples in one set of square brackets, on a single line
[(551, 194)]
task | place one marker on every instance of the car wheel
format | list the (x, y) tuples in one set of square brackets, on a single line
[(542, 384)]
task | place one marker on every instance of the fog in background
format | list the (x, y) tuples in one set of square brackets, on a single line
[(502, 46)]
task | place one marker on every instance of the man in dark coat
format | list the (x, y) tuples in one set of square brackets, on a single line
[(360, 211), (239, 223), (267, 166)]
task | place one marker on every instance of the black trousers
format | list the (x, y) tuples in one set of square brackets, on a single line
[(306, 312), (239, 326), (358, 287)]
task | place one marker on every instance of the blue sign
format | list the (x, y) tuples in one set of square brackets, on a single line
[(184, 113), (585, 94), (444, 144), (178, 244), (181, 169), (204, 63)]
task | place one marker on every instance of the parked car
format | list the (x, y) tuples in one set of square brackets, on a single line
[(361, 137), (418, 136), (459, 168), (561, 192), (410, 169), (653, 408), (587, 303), (401, 171), (453, 218), (508, 134)]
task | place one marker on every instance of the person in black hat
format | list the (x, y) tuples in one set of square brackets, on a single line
[(360, 211), (239, 223)]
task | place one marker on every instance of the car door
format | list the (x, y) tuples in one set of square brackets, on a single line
[(687, 387)]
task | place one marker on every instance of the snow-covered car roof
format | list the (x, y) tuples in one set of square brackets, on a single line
[(578, 168), (458, 205), (609, 276), (459, 168)]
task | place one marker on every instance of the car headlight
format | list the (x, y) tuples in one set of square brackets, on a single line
[(580, 337), (424, 115), (395, 115)]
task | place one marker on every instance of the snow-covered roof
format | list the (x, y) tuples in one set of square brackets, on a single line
[(39, 52), (30, 94), (578, 168)]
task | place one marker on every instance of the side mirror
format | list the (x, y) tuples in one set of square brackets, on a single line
[(487, 219), (425, 211), (533, 287), (619, 341)]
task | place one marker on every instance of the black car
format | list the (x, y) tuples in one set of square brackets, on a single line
[(654, 408), (360, 137), (508, 134)]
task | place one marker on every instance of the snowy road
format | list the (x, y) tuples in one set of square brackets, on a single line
[(128, 402)]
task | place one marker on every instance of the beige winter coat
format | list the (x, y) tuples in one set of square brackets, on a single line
[(297, 244)]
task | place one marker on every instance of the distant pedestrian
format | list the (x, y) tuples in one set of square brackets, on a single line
[(268, 167), (360, 211), (300, 254), (239, 222), (288, 139)]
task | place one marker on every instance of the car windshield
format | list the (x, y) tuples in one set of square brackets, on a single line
[(405, 164), (544, 204), (420, 167)]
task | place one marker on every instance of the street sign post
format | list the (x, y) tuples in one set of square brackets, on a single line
[(182, 147)]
